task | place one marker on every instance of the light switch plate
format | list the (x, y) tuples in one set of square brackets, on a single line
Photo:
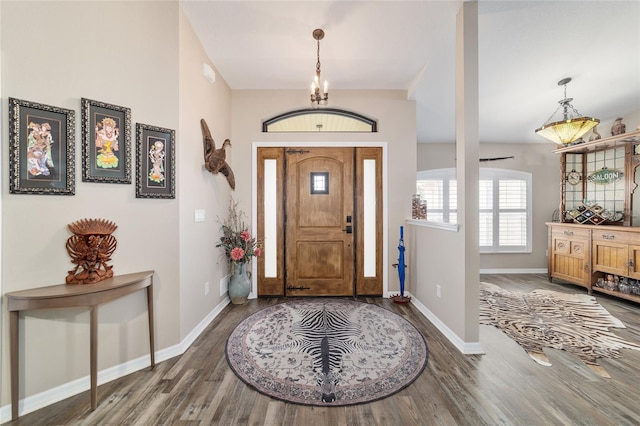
[(199, 215)]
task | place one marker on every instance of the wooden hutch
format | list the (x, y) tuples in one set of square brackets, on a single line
[(596, 242)]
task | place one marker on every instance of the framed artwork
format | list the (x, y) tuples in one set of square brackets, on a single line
[(42, 149), (156, 170), (106, 142)]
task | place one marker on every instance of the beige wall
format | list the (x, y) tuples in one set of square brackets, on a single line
[(55, 53), (396, 124), (200, 260), (444, 265), (434, 259)]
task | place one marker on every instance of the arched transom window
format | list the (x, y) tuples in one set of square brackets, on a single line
[(319, 120)]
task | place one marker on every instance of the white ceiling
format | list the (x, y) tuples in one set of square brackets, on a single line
[(525, 48)]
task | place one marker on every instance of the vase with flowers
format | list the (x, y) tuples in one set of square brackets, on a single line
[(239, 248)]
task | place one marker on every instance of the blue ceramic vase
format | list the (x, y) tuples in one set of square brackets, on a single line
[(239, 284)]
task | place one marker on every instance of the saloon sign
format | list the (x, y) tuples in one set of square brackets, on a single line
[(605, 176)]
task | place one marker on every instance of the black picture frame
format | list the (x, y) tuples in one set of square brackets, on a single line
[(106, 142), (155, 169), (42, 149)]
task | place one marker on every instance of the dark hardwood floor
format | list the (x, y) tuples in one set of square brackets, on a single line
[(503, 386)]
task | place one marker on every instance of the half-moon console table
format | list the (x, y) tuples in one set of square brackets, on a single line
[(72, 296)]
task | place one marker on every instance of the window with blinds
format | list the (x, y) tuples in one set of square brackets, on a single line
[(504, 206)]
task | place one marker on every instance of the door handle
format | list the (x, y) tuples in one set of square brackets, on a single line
[(349, 228)]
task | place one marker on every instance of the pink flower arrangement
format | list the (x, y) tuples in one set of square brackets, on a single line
[(239, 245), (237, 254)]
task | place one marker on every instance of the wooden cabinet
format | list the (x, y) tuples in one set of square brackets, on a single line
[(634, 257), (611, 251), (583, 254), (569, 254), (595, 239), (617, 253), (598, 179)]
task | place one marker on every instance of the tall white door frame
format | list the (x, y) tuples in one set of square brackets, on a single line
[(385, 206)]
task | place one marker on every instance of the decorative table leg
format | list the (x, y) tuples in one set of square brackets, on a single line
[(152, 344), (13, 345), (93, 355)]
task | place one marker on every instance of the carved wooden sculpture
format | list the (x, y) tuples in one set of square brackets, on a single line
[(215, 159), (618, 127), (90, 248)]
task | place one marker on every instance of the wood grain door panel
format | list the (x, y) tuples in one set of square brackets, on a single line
[(315, 255), (271, 284), (319, 251), (570, 255), (634, 264), (610, 257)]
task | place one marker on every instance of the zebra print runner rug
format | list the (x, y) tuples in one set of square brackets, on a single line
[(575, 323), (326, 352)]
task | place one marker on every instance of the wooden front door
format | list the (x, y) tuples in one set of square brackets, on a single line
[(319, 199), (308, 248)]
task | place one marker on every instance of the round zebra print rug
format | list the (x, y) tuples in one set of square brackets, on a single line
[(326, 352)]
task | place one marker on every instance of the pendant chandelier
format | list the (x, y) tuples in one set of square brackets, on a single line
[(318, 98), (572, 126)]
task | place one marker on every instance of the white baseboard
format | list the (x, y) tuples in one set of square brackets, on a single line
[(514, 271), (467, 348), (58, 393)]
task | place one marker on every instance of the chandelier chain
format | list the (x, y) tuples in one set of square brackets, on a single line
[(552, 115), (318, 98), (565, 104)]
